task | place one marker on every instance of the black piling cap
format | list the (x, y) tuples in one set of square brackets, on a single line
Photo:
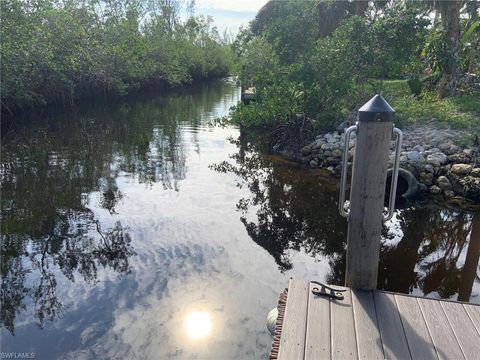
[(376, 110)]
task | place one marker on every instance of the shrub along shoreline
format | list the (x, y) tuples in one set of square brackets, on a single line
[(314, 65), (57, 53), (323, 60)]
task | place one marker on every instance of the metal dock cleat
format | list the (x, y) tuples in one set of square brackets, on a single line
[(325, 290)]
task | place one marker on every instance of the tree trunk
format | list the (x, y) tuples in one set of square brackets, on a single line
[(450, 12), (472, 9)]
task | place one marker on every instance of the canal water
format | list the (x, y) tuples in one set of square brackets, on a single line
[(141, 231)]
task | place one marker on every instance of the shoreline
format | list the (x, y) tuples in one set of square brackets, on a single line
[(444, 161), (97, 96)]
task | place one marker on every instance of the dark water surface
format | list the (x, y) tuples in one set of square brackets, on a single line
[(140, 231)]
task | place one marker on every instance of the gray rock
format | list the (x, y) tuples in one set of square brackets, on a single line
[(415, 156), (432, 150), (418, 148), (313, 163), (457, 184), (461, 169), (306, 149), (426, 178), (475, 172), (443, 183), (468, 152), (452, 150), (434, 189), (333, 160), (416, 165), (437, 159), (331, 138), (337, 153), (337, 145), (449, 193), (442, 171), (342, 126), (429, 168), (472, 188), (459, 158), (445, 146), (317, 144)]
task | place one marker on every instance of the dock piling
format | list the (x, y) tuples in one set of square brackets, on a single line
[(374, 131)]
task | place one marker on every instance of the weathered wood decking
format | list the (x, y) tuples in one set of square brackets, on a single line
[(376, 325)]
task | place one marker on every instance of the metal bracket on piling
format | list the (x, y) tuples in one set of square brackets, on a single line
[(396, 167), (343, 180)]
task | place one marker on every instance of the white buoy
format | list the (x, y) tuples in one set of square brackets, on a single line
[(272, 320)]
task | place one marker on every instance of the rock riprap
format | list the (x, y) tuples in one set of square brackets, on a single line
[(436, 156)]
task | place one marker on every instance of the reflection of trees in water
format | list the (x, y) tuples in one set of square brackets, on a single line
[(296, 210), (74, 244), (469, 271), (90, 147), (49, 168), (428, 254), (293, 208)]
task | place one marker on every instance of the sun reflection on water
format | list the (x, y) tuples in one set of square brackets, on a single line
[(198, 324)]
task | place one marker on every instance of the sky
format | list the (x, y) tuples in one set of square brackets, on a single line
[(229, 14)]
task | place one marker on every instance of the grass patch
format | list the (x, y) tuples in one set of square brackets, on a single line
[(461, 111)]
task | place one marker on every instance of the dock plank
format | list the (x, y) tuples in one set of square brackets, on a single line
[(474, 314), (391, 328), (416, 330), (292, 340), (375, 325), (464, 329), (344, 342), (317, 344), (369, 342), (442, 334)]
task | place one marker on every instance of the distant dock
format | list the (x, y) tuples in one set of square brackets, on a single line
[(374, 325), (248, 94)]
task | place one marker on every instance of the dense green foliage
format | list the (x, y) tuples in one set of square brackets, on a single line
[(462, 110), (313, 58), (55, 52)]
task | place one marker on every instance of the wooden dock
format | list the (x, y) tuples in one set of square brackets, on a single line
[(248, 94), (375, 325)]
